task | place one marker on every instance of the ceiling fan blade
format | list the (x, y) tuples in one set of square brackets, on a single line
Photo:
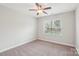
[(47, 8), (32, 9), (37, 13), (37, 4), (45, 12)]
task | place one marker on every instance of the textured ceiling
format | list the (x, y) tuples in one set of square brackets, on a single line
[(56, 8)]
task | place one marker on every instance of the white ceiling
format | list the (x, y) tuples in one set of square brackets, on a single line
[(56, 8)]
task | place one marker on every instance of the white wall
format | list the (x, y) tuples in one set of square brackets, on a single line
[(77, 29), (67, 36), (15, 28)]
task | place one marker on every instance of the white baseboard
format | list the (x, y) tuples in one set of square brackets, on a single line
[(57, 42), (8, 48)]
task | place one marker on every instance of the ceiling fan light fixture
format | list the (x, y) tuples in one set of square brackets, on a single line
[(39, 11)]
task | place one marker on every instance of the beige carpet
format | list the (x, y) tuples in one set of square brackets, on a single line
[(41, 48)]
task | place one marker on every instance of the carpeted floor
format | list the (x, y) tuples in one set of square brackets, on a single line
[(41, 48)]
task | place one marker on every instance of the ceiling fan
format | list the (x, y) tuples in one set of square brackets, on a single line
[(40, 9)]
